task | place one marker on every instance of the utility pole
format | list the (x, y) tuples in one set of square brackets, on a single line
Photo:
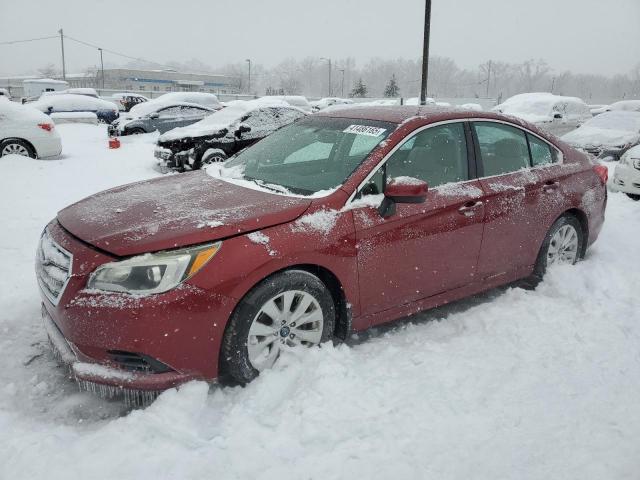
[(328, 60), (342, 83), (101, 68), (249, 82), (488, 78), (64, 70), (425, 52)]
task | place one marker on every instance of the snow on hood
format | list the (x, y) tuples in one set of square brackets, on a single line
[(221, 119), (174, 211), (609, 129), (71, 102)]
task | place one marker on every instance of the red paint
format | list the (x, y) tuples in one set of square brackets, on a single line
[(457, 242), (114, 142)]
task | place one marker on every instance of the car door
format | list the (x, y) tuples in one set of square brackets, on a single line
[(511, 199), (259, 123), (167, 119), (423, 249)]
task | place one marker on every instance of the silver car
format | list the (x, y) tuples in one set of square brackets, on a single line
[(151, 116)]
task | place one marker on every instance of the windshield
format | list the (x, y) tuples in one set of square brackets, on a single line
[(312, 155)]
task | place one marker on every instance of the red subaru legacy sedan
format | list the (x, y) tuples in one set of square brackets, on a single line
[(336, 223)]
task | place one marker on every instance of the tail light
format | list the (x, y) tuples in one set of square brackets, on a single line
[(602, 172), (46, 126)]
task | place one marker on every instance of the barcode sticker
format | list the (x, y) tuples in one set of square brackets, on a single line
[(365, 130)]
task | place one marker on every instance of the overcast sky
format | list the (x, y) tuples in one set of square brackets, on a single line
[(587, 36)]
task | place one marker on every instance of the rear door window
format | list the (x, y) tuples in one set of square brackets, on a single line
[(503, 149), (541, 152)]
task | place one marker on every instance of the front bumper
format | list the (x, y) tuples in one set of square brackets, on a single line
[(626, 179), (97, 378), (169, 159), (128, 342)]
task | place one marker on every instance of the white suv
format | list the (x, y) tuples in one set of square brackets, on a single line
[(27, 131)]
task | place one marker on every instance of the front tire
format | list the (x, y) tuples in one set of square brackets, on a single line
[(209, 158), (564, 244), (290, 308), (15, 146)]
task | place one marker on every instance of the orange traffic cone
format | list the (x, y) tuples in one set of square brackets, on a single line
[(114, 142)]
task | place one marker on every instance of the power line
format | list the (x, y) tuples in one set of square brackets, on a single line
[(87, 44), (10, 42)]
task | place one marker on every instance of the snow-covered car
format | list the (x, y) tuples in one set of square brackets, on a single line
[(224, 133), (329, 102), (471, 106), (552, 113), (126, 101), (625, 106), (27, 131), (199, 98), (626, 176), (294, 100), (106, 111), (89, 92), (5, 93), (607, 135), (151, 116)]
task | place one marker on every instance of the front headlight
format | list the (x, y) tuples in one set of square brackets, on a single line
[(153, 272)]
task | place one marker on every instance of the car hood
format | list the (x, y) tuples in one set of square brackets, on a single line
[(586, 136), (174, 211)]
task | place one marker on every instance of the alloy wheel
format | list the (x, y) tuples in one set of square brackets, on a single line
[(291, 318), (15, 149), (563, 247)]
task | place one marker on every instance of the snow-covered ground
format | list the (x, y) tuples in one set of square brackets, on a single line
[(512, 384)]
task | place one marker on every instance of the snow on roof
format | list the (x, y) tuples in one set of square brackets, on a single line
[(223, 118), (625, 105), (19, 112), (145, 108), (72, 102), (201, 98), (45, 80), (609, 128)]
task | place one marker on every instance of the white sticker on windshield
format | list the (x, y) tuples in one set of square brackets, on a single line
[(365, 130)]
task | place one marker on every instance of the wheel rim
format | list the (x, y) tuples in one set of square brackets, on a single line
[(563, 247), (212, 159), (15, 149), (292, 318)]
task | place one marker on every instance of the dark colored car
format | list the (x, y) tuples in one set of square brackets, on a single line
[(148, 117), (224, 133), (336, 223)]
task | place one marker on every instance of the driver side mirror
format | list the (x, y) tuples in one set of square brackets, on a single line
[(557, 115), (242, 129), (154, 115), (402, 190)]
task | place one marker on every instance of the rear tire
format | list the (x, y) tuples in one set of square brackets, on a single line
[(136, 131), (16, 146), (292, 308), (633, 196), (564, 243)]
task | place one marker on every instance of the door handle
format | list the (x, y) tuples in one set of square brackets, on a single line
[(469, 209), (550, 187)]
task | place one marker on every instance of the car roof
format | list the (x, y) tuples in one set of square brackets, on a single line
[(403, 113)]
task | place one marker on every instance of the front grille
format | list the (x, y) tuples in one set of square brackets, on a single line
[(137, 362), (53, 267)]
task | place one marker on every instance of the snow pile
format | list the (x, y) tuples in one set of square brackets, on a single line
[(508, 384)]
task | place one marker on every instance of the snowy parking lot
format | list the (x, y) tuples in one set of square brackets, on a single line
[(510, 384)]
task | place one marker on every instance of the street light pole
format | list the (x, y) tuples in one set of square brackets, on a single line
[(328, 60), (425, 52), (101, 69), (249, 82), (342, 83), (64, 71)]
